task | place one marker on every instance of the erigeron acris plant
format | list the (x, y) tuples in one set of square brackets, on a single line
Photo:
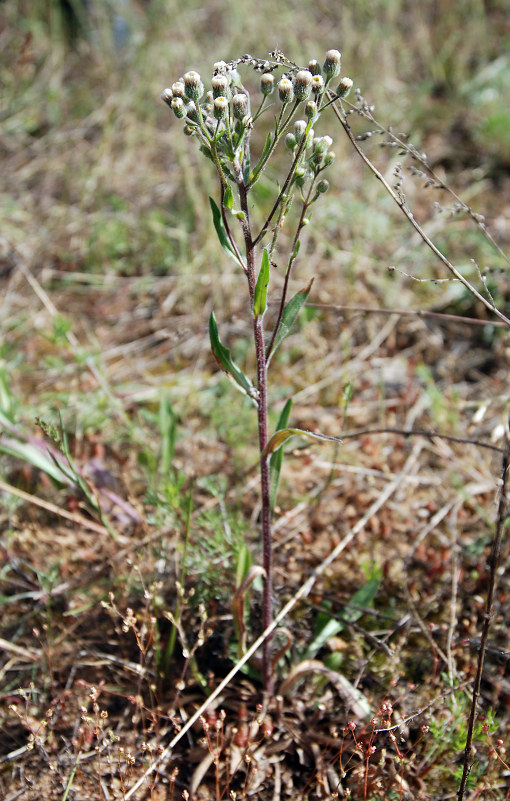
[(222, 120)]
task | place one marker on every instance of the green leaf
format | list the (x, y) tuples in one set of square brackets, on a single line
[(221, 231), (276, 458), (224, 359), (260, 298), (362, 598), (243, 564), (279, 437), (228, 198), (290, 313)]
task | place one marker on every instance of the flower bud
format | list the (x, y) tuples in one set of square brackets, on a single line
[(178, 89), (220, 86), (286, 91), (240, 106), (329, 158), (314, 67), (299, 130), (267, 83), (344, 87), (299, 177), (178, 107), (220, 108), (322, 187), (290, 141), (311, 110), (189, 130), (317, 84), (331, 66), (166, 96), (193, 86), (191, 111), (303, 85)]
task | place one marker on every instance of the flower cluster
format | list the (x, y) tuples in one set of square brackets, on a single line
[(222, 117)]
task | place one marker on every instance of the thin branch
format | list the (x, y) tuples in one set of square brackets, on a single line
[(399, 200), (440, 316), (411, 432), (494, 560)]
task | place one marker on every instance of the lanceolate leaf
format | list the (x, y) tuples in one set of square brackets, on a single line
[(224, 359), (279, 437), (276, 459), (260, 298), (220, 230), (290, 313)]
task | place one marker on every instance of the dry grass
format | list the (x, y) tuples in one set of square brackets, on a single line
[(108, 271)]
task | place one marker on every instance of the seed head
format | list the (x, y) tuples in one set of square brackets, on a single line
[(240, 106), (286, 91), (193, 85), (220, 108), (303, 85), (166, 96), (178, 107), (219, 86), (267, 83), (331, 66), (344, 87)]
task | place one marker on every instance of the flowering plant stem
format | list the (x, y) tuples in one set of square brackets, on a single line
[(222, 124)]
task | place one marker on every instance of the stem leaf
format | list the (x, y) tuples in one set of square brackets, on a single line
[(290, 314), (279, 437), (224, 359), (228, 198), (276, 458), (221, 231), (260, 297)]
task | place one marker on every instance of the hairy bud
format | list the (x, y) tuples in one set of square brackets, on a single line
[(178, 89), (299, 130), (240, 106), (166, 96), (322, 187), (344, 87), (303, 85), (314, 67), (286, 90), (290, 141), (267, 83), (191, 111), (317, 84), (311, 110), (331, 66), (193, 86), (219, 86), (220, 108), (178, 107)]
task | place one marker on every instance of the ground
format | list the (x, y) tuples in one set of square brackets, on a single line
[(128, 476)]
